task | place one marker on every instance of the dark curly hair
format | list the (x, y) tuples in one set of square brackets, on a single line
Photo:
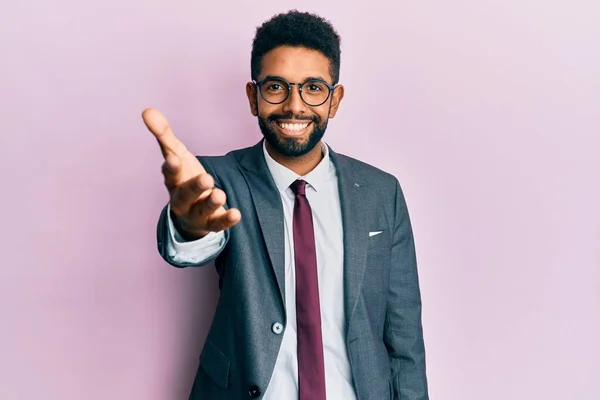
[(298, 29)]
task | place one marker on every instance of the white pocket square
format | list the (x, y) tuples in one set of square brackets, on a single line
[(374, 233)]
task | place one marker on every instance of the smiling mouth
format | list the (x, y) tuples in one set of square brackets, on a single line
[(292, 129)]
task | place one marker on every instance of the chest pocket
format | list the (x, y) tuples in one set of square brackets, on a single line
[(378, 238)]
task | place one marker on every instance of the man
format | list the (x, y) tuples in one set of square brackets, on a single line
[(319, 289)]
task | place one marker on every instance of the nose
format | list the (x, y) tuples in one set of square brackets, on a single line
[(294, 103)]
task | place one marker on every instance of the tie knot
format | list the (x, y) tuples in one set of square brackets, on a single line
[(299, 187)]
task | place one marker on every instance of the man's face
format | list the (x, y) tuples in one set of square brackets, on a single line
[(293, 128)]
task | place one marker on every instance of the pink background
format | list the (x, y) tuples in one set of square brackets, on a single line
[(487, 111)]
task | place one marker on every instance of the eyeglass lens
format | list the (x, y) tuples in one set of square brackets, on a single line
[(312, 92)]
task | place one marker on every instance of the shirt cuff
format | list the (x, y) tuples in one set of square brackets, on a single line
[(196, 251)]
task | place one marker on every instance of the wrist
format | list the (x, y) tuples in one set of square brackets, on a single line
[(187, 232)]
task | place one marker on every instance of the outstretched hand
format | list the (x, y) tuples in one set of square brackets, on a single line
[(197, 206)]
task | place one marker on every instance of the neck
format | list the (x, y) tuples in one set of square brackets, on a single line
[(301, 165)]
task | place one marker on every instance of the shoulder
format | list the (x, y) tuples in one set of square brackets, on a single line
[(226, 161), (368, 174)]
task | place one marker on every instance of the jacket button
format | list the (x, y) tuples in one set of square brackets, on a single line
[(254, 391), (277, 328)]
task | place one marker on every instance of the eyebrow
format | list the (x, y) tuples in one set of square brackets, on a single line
[(305, 79)]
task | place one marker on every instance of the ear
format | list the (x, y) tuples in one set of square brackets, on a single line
[(337, 96), (252, 98)]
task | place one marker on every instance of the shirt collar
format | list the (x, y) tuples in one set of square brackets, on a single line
[(284, 177)]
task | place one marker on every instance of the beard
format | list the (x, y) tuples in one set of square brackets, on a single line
[(290, 146)]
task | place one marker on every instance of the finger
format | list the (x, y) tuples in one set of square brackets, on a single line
[(189, 192), (171, 169), (159, 126), (207, 206), (223, 220)]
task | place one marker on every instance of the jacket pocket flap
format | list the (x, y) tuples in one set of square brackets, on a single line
[(215, 364)]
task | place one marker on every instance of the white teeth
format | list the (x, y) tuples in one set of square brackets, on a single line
[(293, 127)]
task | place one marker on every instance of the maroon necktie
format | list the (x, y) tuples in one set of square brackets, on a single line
[(311, 365)]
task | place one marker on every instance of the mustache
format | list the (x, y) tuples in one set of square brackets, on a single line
[(275, 117)]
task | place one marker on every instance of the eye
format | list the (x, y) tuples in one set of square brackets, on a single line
[(312, 87), (273, 87)]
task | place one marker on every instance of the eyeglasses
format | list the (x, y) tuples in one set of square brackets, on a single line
[(314, 92)]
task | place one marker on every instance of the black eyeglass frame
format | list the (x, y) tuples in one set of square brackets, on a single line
[(289, 85)]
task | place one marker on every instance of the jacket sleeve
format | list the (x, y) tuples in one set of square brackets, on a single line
[(403, 332)]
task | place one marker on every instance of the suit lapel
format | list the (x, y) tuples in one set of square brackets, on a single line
[(355, 232), (269, 210)]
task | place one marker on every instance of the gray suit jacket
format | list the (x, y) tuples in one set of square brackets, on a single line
[(382, 297)]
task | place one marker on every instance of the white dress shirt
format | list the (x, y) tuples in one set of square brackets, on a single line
[(323, 196)]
